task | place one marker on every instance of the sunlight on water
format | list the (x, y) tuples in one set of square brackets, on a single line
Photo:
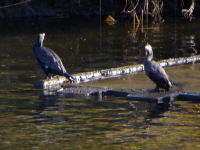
[(30, 119)]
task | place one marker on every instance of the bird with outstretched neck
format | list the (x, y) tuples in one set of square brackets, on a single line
[(155, 72), (49, 61)]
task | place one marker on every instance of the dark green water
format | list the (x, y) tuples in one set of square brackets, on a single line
[(29, 119)]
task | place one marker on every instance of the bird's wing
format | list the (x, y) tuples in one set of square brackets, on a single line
[(51, 60), (158, 74)]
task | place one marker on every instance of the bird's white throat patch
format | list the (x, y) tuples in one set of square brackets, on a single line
[(148, 47)]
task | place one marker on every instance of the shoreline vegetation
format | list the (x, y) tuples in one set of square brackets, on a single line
[(135, 10)]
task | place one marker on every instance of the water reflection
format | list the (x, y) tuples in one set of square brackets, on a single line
[(95, 119), (110, 123)]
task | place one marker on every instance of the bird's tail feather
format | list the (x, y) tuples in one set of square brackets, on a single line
[(68, 76), (177, 84)]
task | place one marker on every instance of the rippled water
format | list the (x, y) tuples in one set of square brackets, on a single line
[(29, 119)]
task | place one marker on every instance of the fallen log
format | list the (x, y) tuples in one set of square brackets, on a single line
[(57, 81)]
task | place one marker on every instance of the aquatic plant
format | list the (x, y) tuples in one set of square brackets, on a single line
[(154, 10)]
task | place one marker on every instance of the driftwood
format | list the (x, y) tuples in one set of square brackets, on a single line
[(57, 81)]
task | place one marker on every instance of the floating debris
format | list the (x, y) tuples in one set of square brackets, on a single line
[(110, 20)]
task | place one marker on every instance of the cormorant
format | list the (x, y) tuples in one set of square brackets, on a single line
[(49, 61), (155, 72)]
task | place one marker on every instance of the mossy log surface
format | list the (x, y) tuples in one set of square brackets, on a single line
[(57, 81)]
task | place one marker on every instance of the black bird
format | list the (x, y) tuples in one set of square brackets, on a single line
[(49, 61), (155, 72)]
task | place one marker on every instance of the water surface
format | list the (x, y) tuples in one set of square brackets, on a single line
[(29, 119)]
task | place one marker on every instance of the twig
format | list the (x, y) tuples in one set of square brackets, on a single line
[(187, 13), (19, 3)]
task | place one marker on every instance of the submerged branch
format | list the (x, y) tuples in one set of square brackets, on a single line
[(131, 94)]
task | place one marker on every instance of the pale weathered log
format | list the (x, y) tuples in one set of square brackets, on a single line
[(51, 84), (57, 81)]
